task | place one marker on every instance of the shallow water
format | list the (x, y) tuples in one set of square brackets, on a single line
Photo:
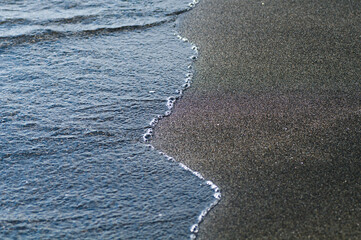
[(79, 84)]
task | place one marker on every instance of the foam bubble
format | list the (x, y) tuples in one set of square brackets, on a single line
[(202, 215), (170, 102), (193, 4), (186, 86), (195, 48), (217, 195), (194, 228), (148, 135), (182, 38), (167, 113), (180, 92), (188, 80), (153, 122), (184, 166)]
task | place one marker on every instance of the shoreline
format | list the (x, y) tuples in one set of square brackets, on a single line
[(171, 101), (272, 117)]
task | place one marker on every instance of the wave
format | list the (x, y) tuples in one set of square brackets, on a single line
[(9, 21), (48, 34), (31, 23)]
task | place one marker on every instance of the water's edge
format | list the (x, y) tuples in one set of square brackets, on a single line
[(170, 104)]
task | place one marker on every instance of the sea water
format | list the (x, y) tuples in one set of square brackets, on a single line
[(81, 82)]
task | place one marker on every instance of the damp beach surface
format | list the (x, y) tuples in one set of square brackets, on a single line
[(273, 117)]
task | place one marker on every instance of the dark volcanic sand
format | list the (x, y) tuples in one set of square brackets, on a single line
[(273, 117)]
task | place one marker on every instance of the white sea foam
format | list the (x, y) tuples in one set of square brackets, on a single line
[(170, 104), (217, 196)]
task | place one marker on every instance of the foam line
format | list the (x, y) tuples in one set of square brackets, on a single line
[(170, 104)]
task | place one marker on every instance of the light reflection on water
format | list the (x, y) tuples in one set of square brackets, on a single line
[(72, 114)]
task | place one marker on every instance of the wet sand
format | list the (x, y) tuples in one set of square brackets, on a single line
[(273, 117)]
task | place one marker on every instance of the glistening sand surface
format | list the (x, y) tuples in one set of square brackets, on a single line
[(273, 117)]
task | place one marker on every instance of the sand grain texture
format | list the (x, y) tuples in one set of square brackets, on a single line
[(273, 117)]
